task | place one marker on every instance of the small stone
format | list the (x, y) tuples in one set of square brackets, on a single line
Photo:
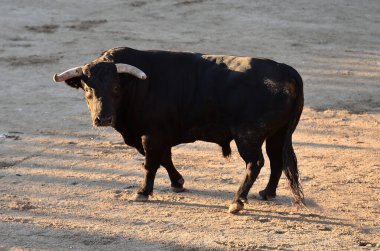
[(312, 215), (263, 220), (129, 187), (363, 243), (325, 228)]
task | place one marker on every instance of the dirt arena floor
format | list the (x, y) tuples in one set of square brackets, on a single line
[(65, 185)]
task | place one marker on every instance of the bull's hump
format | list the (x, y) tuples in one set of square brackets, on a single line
[(234, 63)]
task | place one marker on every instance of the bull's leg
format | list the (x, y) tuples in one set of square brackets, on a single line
[(253, 157), (274, 147), (153, 155), (176, 178)]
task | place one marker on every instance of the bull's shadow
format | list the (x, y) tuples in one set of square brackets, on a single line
[(301, 215)]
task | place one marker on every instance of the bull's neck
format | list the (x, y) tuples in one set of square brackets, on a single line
[(130, 108)]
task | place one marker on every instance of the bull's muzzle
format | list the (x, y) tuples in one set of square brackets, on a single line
[(103, 121)]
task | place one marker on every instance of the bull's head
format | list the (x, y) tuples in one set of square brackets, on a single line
[(101, 85)]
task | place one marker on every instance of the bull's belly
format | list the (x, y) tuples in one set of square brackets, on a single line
[(210, 133)]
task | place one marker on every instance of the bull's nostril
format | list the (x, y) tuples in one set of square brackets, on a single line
[(97, 121), (103, 121)]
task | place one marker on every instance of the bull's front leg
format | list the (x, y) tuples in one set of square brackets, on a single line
[(153, 149)]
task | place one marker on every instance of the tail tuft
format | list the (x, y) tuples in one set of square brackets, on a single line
[(226, 150)]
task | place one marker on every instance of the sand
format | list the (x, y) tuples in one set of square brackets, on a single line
[(65, 185)]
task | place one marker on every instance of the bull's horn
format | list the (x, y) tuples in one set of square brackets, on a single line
[(70, 73), (126, 68)]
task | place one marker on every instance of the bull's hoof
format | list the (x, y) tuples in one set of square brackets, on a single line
[(140, 198), (265, 195), (235, 207), (177, 189)]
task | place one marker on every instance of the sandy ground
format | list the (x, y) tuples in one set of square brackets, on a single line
[(65, 185)]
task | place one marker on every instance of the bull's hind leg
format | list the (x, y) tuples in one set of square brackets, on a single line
[(176, 178), (250, 150), (274, 147)]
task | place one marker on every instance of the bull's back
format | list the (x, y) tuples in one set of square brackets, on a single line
[(245, 89)]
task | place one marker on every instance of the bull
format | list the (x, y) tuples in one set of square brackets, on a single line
[(159, 99)]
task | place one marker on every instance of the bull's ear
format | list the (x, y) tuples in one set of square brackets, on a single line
[(74, 82)]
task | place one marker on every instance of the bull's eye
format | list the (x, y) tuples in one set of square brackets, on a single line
[(87, 93)]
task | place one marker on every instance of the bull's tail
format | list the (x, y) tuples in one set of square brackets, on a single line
[(289, 157)]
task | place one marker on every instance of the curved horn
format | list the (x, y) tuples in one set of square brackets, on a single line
[(70, 73), (126, 68)]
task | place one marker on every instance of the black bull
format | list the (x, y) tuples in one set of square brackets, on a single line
[(169, 98)]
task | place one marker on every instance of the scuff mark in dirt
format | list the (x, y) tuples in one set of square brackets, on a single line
[(17, 39), (7, 136), (189, 2), (5, 164), (8, 164), (46, 28), (19, 45), (86, 25), (137, 4), (104, 240), (21, 205)]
